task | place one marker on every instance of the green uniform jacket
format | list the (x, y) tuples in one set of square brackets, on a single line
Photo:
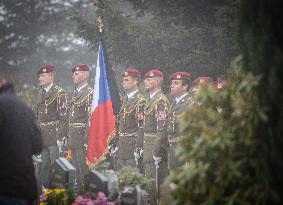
[(130, 125), (155, 135), (79, 112), (175, 112), (52, 115)]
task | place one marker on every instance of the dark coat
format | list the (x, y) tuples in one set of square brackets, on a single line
[(20, 139)]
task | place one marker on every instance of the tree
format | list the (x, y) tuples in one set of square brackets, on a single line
[(234, 144), (170, 35), (35, 32)]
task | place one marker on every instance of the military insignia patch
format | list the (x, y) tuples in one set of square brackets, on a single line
[(161, 115)]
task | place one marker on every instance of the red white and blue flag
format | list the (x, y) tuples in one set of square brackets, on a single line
[(102, 119)]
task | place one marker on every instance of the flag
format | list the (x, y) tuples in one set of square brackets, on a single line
[(102, 119)]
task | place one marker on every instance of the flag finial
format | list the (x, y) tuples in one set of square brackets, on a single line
[(100, 24)]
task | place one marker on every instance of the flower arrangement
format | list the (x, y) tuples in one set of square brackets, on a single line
[(56, 197), (90, 199)]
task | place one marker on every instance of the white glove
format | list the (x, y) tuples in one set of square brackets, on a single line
[(85, 145), (137, 157), (113, 151), (64, 140), (60, 145), (157, 160)]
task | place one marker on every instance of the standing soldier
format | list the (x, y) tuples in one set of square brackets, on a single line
[(180, 84), (198, 82), (52, 116), (155, 136), (79, 112), (131, 119)]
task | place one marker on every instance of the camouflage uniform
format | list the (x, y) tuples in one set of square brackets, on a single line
[(79, 111), (175, 112), (130, 126), (52, 118), (155, 141)]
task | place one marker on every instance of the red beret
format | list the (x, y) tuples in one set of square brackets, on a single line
[(220, 84), (80, 67), (131, 72), (201, 80), (48, 68), (180, 76), (153, 73)]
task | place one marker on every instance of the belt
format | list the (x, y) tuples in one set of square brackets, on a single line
[(173, 140), (49, 123), (77, 124), (150, 135), (125, 134)]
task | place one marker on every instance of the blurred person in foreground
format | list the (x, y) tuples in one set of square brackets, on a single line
[(20, 139)]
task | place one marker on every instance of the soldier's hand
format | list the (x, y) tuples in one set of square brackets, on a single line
[(60, 143), (157, 160), (64, 140)]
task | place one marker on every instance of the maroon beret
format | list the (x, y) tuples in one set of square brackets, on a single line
[(80, 67), (202, 80), (131, 72), (153, 73), (48, 68), (180, 76)]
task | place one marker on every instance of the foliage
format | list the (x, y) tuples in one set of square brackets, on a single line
[(56, 197), (35, 32), (172, 35), (28, 96), (221, 149), (129, 176)]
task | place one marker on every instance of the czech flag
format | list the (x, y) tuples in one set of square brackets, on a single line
[(102, 126)]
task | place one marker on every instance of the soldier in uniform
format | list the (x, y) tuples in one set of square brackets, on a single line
[(79, 112), (155, 137), (131, 119), (180, 84), (52, 117), (200, 81)]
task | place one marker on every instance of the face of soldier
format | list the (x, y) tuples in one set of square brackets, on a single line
[(177, 88), (151, 83), (80, 77), (195, 90), (129, 84), (45, 79)]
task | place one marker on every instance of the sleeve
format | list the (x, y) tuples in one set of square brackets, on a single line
[(87, 105), (62, 109), (140, 123), (161, 142)]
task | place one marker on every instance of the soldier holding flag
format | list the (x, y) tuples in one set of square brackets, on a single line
[(79, 111)]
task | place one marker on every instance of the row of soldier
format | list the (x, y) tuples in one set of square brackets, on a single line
[(147, 135)]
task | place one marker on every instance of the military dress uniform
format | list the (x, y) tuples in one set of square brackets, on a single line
[(79, 112), (176, 110), (155, 140), (130, 126), (52, 118)]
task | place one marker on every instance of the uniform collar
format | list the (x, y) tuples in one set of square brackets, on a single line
[(178, 99), (48, 87), (80, 88), (131, 94), (151, 95)]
